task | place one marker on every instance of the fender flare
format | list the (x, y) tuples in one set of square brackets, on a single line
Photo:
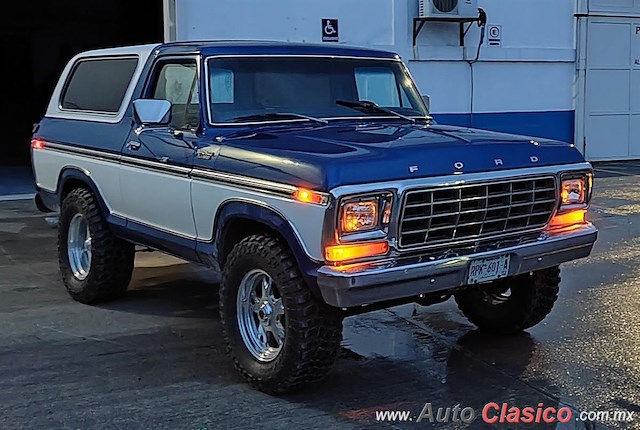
[(235, 209), (77, 174)]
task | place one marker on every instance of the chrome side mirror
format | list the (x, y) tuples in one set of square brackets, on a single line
[(152, 112)]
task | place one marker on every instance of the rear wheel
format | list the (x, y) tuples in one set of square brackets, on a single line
[(511, 305), (95, 265), (279, 335)]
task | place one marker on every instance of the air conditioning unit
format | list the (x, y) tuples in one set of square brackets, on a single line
[(448, 9)]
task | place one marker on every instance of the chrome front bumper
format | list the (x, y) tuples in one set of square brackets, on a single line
[(367, 283)]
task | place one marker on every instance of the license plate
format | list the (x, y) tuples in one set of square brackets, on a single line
[(488, 269)]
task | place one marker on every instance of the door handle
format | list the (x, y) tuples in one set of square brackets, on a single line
[(133, 145), (163, 159)]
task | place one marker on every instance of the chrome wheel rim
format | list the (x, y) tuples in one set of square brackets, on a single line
[(498, 297), (261, 318), (79, 247)]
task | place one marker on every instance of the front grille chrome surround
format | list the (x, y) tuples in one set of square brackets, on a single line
[(468, 212)]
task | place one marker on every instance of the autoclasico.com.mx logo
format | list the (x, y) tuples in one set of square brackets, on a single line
[(494, 413)]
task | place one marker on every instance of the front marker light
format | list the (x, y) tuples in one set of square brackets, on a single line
[(309, 196)]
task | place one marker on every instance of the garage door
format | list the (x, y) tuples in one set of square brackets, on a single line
[(612, 111)]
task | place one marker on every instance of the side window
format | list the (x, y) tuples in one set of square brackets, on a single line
[(178, 83), (378, 85), (98, 85)]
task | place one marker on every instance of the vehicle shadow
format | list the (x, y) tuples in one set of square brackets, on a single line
[(178, 289), (386, 362)]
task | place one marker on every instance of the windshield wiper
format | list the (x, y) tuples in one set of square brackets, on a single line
[(372, 106), (279, 115)]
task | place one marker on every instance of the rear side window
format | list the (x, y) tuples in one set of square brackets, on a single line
[(98, 85)]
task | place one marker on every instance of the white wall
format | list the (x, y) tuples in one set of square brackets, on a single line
[(368, 22), (532, 70)]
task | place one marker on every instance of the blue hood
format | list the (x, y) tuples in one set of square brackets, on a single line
[(324, 157)]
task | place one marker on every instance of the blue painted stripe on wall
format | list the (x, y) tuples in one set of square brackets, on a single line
[(558, 125)]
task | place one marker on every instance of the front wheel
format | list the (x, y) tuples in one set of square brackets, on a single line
[(279, 335), (511, 305)]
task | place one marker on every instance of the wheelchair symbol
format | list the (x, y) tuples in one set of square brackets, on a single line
[(328, 29)]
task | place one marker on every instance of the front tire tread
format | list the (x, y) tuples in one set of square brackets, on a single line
[(314, 330)]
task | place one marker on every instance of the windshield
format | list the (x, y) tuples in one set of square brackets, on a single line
[(267, 88)]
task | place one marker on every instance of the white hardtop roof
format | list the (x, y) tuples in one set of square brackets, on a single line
[(140, 50), (143, 52)]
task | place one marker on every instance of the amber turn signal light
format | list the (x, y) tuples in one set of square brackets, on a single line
[(309, 196), (569, 218), (337, 253)]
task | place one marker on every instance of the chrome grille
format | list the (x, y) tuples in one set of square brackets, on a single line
[(472, 211)]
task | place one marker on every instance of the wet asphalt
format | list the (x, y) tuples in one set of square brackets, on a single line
[(156, 360)]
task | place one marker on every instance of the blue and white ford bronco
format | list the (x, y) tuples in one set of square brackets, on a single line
[(314, 179)]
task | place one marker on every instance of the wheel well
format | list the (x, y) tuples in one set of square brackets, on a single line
[(237, 229), (70, 185)]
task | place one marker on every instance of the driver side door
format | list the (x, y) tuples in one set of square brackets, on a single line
[(157, 160)]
